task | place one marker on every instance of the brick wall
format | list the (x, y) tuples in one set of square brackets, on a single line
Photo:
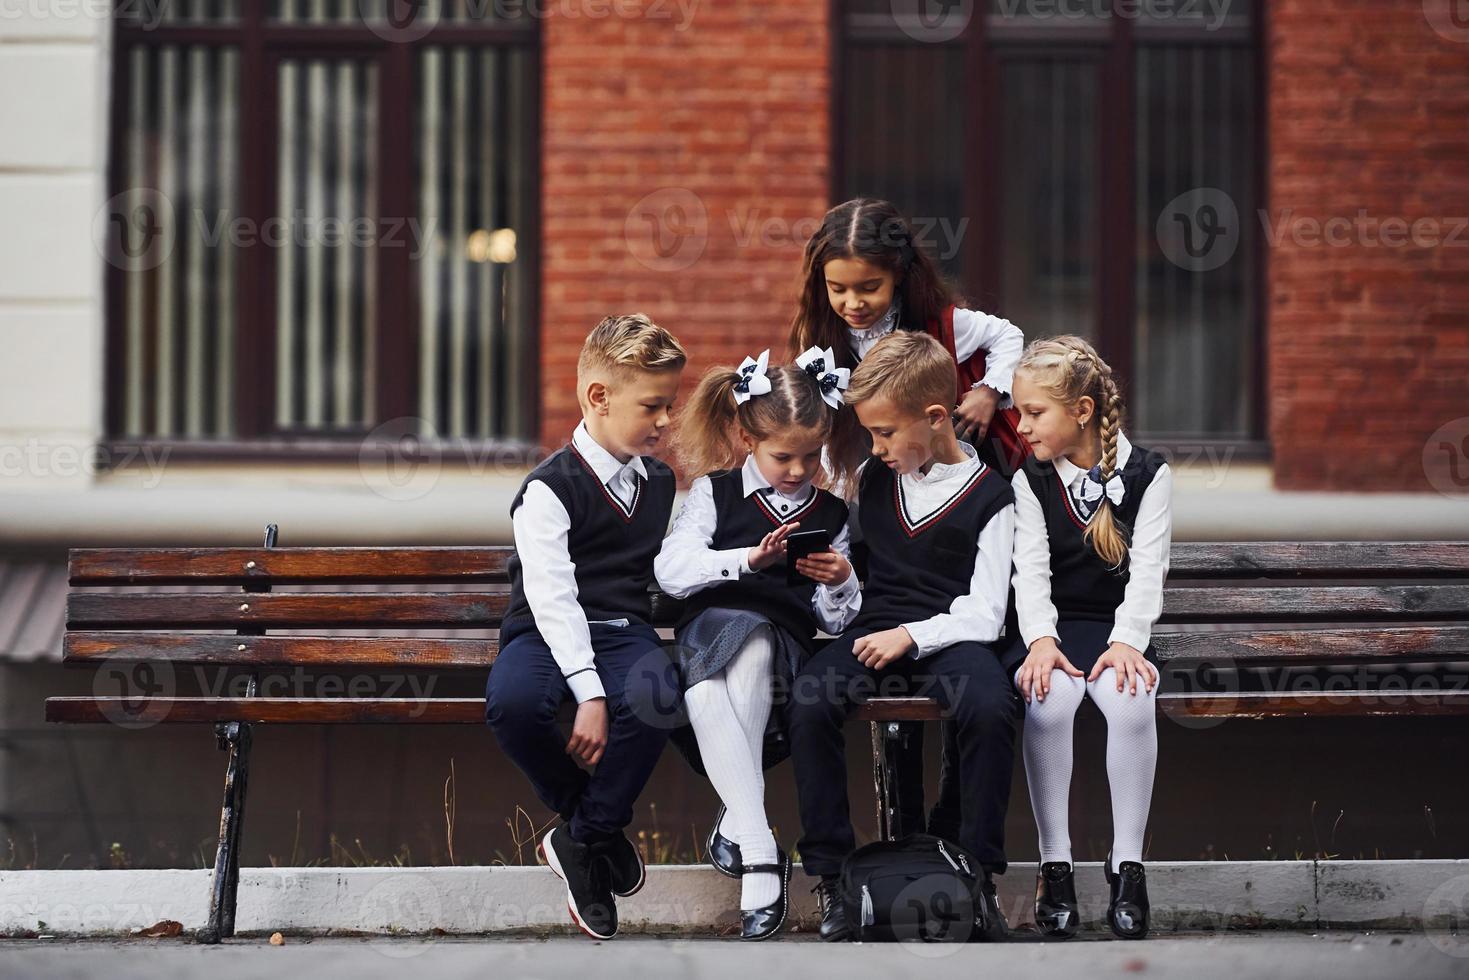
[(1368, 341), (722, 119)]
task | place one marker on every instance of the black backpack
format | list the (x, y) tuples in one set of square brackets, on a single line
[(918, 888)]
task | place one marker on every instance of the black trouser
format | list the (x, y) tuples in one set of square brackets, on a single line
[(966, 679)]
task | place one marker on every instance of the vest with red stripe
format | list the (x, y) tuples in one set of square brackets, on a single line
[(1083, 586), (742, 522), (916, 569)]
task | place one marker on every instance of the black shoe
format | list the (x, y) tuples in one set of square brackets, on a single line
[(990, 925), (1127, 913), (724, 854), (834, 925), (625, 865), (763, 923), (588, 878), (1056, 913)]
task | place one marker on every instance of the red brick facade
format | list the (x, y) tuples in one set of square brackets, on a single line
[(1368, 341), (729, 115)]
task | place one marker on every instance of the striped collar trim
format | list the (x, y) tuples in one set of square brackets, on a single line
[(914, 528), (764, 501), (1069, 502), (626, 511)]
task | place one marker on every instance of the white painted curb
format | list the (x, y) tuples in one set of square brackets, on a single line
[(1192, 896)]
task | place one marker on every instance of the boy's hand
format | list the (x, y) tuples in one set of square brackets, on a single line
[(1035, 674), (589, 731), (1129, 665), (975, 411), (877, 650), (826, 567), (772, 547)]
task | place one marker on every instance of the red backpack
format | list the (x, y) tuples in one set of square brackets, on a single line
[(1003, 434)]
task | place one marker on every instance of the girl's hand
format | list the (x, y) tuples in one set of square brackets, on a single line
[(976, 410), (826, 567), (1035, 673), (1129, 665), (877, 650), (772, 547)]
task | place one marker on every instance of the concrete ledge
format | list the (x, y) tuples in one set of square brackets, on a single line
[(1187, 896)]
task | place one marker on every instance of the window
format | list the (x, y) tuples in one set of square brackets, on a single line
[(323, 221), (1069, 161)]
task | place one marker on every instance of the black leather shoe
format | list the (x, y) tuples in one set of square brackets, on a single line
[(990, 925), (588, 880), (625, 864), (724, 854), (1127, 913), (834, 925), (1056, 913), (763, 923)]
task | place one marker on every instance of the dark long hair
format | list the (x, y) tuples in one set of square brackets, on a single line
[(876, 232)]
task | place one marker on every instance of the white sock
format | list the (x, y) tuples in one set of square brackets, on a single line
[(729, 712), (1047, 745), (1132, 757)]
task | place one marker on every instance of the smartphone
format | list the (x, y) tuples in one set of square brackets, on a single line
[(801, 544)]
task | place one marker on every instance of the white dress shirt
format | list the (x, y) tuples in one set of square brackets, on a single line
[(974, 331), (687, 563), (979, 614), (1152, 533), (548, 576)]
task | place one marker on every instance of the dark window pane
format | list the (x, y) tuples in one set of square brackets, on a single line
[(1049, 224), (1195, 331)]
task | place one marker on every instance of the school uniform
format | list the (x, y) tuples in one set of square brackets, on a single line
[(1063, 589), (940, 550), (587, 527)]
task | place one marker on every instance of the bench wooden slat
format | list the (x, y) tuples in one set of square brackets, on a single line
[(449, 610), (1245, 647), (228, 566), (458, 711), (1322, 559), (287, 610)]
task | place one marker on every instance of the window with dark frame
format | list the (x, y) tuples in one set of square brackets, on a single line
[(1054, 155), (322, 225)]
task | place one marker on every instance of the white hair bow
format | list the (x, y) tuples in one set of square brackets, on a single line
[(822, 365), (753, 379), (1092, 487)]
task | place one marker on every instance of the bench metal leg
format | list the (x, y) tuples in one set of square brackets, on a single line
[(235, 736), (897, 798)]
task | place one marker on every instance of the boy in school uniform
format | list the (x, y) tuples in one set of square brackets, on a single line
[(588, 523), (939, 525)]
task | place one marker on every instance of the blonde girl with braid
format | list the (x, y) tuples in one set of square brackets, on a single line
[(1093, 528)]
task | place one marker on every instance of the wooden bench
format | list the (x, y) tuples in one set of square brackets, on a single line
[(1249, 631)]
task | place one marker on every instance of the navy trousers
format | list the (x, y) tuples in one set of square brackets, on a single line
[(525, 692), (966, 679)]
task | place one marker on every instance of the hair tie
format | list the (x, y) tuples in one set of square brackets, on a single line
[(821, 364), (753, 379)]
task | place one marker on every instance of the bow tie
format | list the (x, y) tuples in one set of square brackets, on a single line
[(1091, 488)]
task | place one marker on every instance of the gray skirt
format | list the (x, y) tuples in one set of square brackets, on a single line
[(706, 644)]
